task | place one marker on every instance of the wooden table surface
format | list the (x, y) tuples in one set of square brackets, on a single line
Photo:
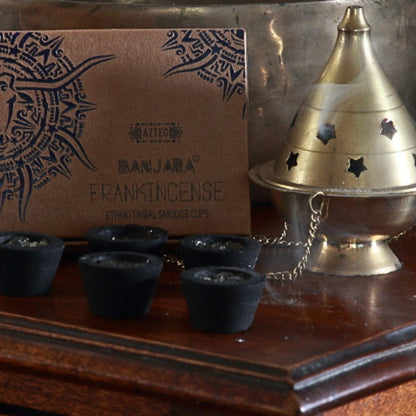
[(320, 344)]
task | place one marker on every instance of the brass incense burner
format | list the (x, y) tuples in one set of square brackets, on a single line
[(354, 140)]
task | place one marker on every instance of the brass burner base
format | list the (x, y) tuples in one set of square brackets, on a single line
[(365, 259)]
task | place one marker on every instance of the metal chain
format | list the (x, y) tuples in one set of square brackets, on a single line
[(315, 220), (275, 241), (400, 235)]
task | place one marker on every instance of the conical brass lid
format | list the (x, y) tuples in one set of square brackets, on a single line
[(352, 135)]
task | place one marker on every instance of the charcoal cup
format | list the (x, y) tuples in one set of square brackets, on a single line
[(219, 250), (129, 237), (120, 285), (222, 299), (28, 262)]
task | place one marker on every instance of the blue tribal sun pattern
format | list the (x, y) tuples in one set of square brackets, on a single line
[(43, 111), (216, 56)]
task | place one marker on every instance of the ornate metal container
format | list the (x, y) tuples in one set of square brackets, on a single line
[(354, 140)]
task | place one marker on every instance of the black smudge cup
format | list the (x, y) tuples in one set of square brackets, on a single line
[(222, 299), (219, 250), (120, 285), (28, 262), (128, 237)]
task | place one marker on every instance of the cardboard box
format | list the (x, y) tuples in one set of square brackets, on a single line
[(124, 126)]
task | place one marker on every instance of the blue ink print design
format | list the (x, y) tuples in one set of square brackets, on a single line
[(43, 111), (216, 56)]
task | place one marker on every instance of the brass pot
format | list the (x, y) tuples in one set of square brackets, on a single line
[(354, 140)]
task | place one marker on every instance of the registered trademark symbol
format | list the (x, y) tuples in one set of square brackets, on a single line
[(196, 158)]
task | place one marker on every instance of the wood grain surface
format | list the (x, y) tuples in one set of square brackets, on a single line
[(318, 344)]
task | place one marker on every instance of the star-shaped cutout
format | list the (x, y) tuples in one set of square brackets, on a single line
[(387, 128), (357, 166), (292, 160), (326, 133)]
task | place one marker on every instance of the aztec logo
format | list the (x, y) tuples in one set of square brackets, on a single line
[(43, 113)]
